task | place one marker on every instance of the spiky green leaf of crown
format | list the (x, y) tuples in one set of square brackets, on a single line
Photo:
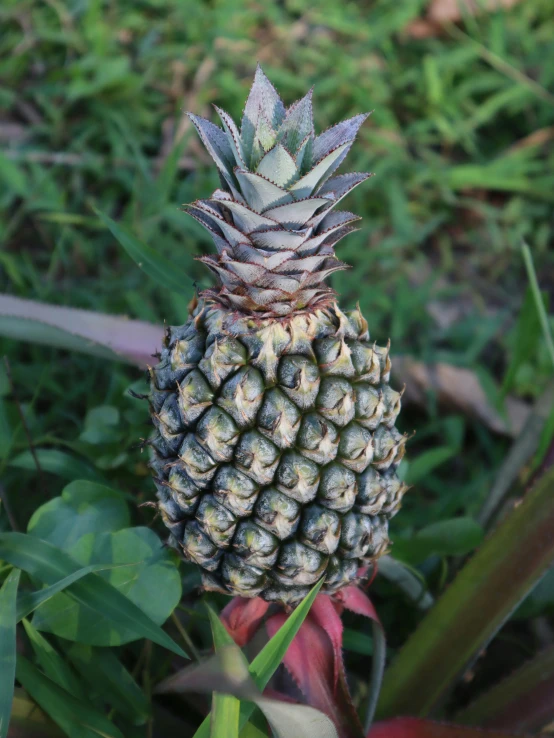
[(273, 221)]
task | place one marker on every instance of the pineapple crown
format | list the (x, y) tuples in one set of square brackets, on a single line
[(273, 220)]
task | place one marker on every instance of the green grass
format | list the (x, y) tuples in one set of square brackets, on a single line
[(461, 142)]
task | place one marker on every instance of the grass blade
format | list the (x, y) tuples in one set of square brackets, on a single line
[(541, 310), (509, 564), (150, 261), (8, 596), (74, 717), (50, 564)]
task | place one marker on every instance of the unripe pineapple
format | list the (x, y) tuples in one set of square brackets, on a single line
[(275, 447)]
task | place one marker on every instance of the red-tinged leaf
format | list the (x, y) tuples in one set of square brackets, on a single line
[(312, 660), (522, 701), (242, 617), (324, 612), (416, 728), (109, 336), (477, 603), (356, 600)]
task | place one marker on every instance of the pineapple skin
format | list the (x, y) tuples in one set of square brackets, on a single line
[(275, 450)]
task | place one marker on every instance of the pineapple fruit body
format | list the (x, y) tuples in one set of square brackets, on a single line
[(275, 448)]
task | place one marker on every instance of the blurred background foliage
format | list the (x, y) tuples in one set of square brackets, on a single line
[(93, 97)]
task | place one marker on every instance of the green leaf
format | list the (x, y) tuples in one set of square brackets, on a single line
[(27, 602), (268, 660), (83, 507), (540, 601), (427, 462), (224, 716), (353, 640), (74, 717), (49, 564), (139, 565), (8, 597), (101, 425), (508, 564), (252, 731), (226, 672), (108, 336), (53, 665), (29, 720), (539, 302), (109, 679), (526, 337), (13, 176), (523, 700), (454, 537), (150, 261), (56, 462), (409, 581)]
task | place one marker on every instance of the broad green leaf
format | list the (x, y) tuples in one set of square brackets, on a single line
[(83, 507), (101, 425), (108, 336), (109, 679), (75, 718), (49, 564), (148, 259), (52, 664), (485, 592), (454, 537), (139, 565), (521, 702), (8, 598), (27, 602), (224, 716), (56, 462)]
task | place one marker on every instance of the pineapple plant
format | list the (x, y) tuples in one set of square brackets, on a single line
[(275, 449)]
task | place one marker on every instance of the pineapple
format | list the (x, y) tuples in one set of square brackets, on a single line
[(275, 447)]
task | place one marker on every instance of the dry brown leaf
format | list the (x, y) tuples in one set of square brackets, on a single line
[(440, 12), (450, 11), (460, 390)]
